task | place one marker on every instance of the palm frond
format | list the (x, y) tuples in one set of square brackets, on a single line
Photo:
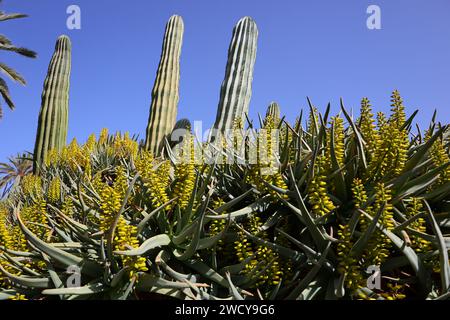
[(12, 172), (4, 92), (13, 74), (4, 39), (11, 16), (20, 50)]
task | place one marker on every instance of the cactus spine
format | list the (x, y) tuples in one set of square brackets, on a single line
[(54, 113), (236, 89), (165, 95)]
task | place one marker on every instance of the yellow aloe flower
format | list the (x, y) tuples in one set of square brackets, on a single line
[(317, 191), (154, 182), (54, 190)]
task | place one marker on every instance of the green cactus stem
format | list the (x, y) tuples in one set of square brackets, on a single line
[(236, 89), (54, 113), (165, 94)]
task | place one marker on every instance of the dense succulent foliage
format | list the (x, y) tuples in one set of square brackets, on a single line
[(305, 219)]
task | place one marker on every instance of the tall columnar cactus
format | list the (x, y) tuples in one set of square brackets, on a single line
[(165, 95), (236, 89), (54, 113), (273, 110)]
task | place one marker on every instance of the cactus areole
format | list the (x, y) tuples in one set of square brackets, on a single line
[(54, 113), (165, 94)]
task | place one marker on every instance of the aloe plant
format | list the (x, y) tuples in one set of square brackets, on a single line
[(236, 89), (54, 113), (309, 229), (165, 94)]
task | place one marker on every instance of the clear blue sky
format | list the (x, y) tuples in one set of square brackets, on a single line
[(321, 49)]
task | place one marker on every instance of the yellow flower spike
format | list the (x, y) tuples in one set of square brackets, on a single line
[(5, 232), (185, 173), (217, 226), (348, 265), (90, 144), (52, 158), (390, 154), (414, 207), (103, 136), (267, 170), (339, 149), (121, 181), (110, 204), (155, 186), (318, 197), (367, 126), (440, 156), (398, 117), (32, 186), (245, 249), (126, 238), (54, 190)]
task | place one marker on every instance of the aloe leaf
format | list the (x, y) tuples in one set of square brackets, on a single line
[(26, 281), (6, 296), (89, 267), (17, 262), (311, 291), (69, 220), (422, 151), (233, 289), (146, 246), (241, 212), (148, 281), (445, 296), (420, 183), (285, 252), (359, 139), (306, 249), (443, 254), (193, 246), (185, 233), (173, 293), (161, 260), (297, 291), (415, 262), (237, 268), (117, 278), (20, 253), (438, 193), (205, 243), (93, 288), (272, 220), (147, 218), (207, 272), (304, 215), (233, 202), (362, 242), (407, 223)]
